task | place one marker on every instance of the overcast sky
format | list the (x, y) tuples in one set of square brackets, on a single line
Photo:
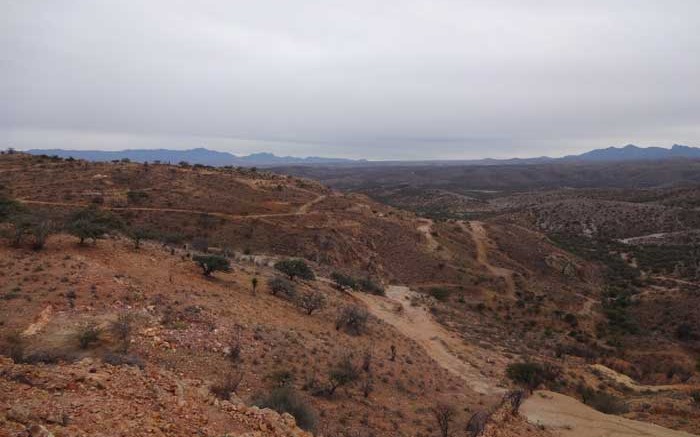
[(376, 79)]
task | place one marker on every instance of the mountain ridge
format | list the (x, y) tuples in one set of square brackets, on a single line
[(204, 156)]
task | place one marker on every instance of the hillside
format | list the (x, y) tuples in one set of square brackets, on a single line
[(462, 303)]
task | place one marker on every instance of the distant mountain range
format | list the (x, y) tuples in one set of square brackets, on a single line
[(193, 156), (204, 156)]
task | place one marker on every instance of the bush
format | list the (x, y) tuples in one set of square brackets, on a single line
[(369, 286), (88, 335), (121, 329), (343, 281), (282, 287), (353, 319), (212, 263), (119, 360), (136, 196), (312, 301), (342, 373), (440, 294), (294, 268), (531, 375), (286, 400), (227, 385), (14, 347), (602, 401)]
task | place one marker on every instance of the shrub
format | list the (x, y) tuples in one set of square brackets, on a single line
[(286, 400), (212, 263), (88, 335), (602, 401), (227, 385), (369, 286), (343, 372), (353, 319), (138, 234), (531, 375), (294, 268), (695, 396), (15, 347), (121, 329), (119, 360), (282, 287), (477, 423), (343, 281), (136, 196), (312, 301), (440, 294), (281, 378)]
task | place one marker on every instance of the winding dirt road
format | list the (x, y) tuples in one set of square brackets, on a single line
[(478, 233), (416, 323)]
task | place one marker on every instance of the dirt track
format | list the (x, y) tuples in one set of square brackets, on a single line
[(303, 209), (476, 229), (570, 418)]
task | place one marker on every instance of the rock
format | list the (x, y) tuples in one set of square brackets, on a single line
[(39, 431)]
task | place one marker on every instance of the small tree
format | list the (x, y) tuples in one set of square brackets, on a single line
[(92, 223), (212, 263), (444, 415), (121, 329), (353, 318), (254, 283), (40, 229), (312, 301), (294, 268), (342, 373)]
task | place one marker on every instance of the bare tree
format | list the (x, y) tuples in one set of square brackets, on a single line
[(444, 415)]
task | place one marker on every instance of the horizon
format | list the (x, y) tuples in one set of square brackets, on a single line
[(264, 152), (405, 80)]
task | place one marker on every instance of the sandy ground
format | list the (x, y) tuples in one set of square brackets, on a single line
[(481, 241), (568, 417)]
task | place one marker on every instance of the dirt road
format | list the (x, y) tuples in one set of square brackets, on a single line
[(568, 417), (446, 348), (303, 209), (563, 415), (478, 233)]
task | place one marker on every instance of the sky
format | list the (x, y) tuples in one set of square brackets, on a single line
[(372, 79)]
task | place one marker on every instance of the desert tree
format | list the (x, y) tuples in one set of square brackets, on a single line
[(312, 301), (282, 287), (353, 319), (212, 263), (342, 373), (92, 223), (295, 268), (444, 415)]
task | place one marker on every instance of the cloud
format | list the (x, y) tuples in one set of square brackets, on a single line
[(393, 79)]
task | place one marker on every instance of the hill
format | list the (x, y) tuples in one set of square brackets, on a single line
[(425, 311)]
